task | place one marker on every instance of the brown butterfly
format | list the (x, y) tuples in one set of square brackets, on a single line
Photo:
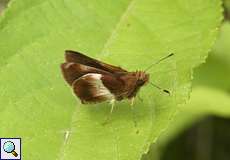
[(94, 81)]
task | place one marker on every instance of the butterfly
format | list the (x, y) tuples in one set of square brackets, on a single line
[(94, 81)]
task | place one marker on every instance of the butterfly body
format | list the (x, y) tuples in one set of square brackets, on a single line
[(94, 81)]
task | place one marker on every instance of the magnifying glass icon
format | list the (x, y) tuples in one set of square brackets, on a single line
[(9, 147)]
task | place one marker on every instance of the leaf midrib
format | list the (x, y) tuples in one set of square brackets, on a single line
[(107, 43)]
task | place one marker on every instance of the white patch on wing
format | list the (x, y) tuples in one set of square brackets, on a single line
[(98, 86)]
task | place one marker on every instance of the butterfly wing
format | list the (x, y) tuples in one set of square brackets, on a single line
[(76, 57), (91, 88), (92, 81), (72, 71)]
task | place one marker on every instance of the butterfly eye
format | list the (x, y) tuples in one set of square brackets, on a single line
[(140, 82)]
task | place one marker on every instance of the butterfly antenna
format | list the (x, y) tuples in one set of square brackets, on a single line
[(171, 54), (163, 90)]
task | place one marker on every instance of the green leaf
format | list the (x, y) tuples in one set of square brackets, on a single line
[(204, 102), (213, 73), (209, 96), (38, 106)]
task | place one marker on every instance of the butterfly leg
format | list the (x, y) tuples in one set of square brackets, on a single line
[(112, 102), (132, 101), (139, 97), (133, 113)]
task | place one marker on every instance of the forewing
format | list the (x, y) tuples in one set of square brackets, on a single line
[(90, 89), (72, 71), (76, 57)]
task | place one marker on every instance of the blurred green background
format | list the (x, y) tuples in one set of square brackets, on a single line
[(197, 134)]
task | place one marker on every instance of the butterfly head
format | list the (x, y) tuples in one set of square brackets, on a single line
[(142, 78)]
